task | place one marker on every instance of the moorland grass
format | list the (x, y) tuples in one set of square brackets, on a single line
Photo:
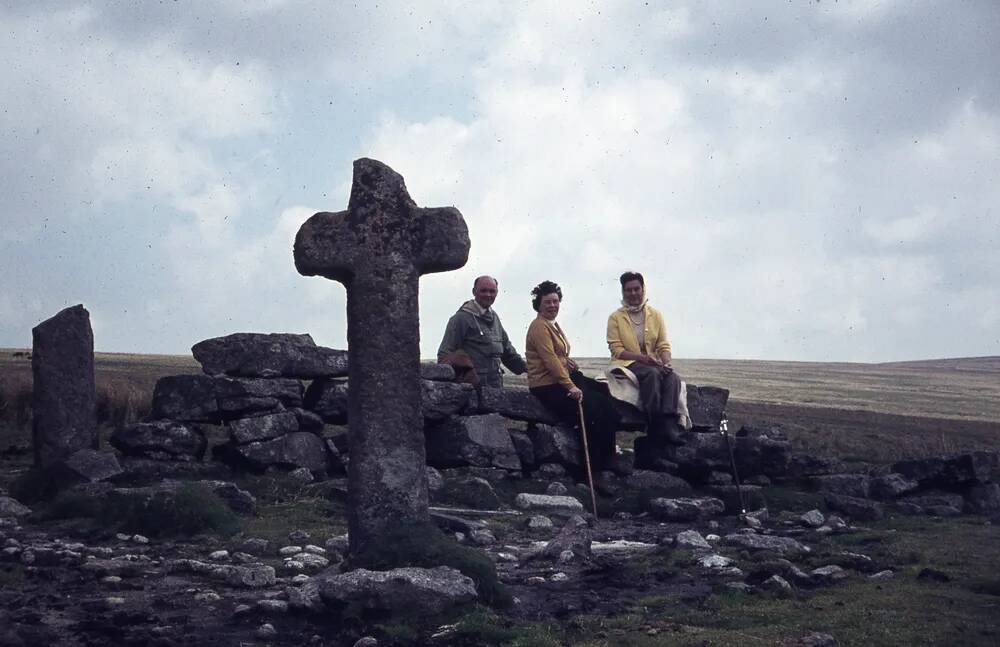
[(193, 509)]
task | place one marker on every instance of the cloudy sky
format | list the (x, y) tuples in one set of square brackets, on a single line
[(807, 181)]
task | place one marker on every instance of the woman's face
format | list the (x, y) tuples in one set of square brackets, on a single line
[(633, 292), (548, 307)]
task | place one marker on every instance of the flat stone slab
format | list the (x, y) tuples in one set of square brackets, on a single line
[(410, 590), (269, 355), (781, 545), (516, 404), (621, 547), (568, 504)]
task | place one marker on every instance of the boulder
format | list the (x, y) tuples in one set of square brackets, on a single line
[(656, 481), (161, 440), (480, 441), (805, 465), (472, 492), (891, 486), (437, 372), (265, 427), (328, 399), (812, 519), (524, 447), (827, 575), (12, 508), (440, 400), (269, 355), (241, 396), (706, 406), (685, 509), (402, 591), (516, 404), (703, 453), (574, 537), (186, 398), (856, 485), (85, 466), (691, 540), (298, 449), (984, 498), (308, 420), (556, 444), (952, 471), (200, 398), (855, 507)]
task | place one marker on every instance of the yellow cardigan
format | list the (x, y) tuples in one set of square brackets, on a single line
[(546, 351), (621, 336)]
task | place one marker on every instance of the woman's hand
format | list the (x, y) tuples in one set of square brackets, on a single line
[(576, 394), (649, 361)]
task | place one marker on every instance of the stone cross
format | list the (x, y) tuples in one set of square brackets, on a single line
[(64, 398), (378, 249)]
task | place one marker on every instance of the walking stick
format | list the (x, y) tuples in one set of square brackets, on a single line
[(586, 457), (724, 427)]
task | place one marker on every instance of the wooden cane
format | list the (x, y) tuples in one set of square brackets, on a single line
[(586, 458)]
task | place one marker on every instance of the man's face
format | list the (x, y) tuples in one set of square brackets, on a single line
[(633, 292), (485, 292)]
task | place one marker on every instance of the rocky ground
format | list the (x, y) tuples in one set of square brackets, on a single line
[(72, 582)]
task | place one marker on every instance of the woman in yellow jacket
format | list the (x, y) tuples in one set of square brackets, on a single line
[(556, 380), (637, 338)]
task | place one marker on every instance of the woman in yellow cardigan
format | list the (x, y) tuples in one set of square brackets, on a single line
[(556, 380), (637, 338)]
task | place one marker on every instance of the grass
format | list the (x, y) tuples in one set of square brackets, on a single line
[(124, 390), (191, 510)]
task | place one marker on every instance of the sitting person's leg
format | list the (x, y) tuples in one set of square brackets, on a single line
[(602, 418), (650, 388), (670, 390), (554, 397)]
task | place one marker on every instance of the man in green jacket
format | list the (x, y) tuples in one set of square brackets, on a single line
[(476, 329)]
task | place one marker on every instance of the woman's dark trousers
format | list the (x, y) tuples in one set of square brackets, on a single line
[(599, 412)]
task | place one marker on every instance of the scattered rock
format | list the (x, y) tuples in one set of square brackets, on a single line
[(565, 504), (773, 543), (12, 508), (417, 591), (813, 519), (828, 574), (686, 509), (691, 539), (860, 509)]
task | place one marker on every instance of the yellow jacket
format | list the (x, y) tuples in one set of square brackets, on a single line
[(621, 336), (546, 351)]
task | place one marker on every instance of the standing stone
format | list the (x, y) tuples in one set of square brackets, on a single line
[(378, 249), (64, 401)]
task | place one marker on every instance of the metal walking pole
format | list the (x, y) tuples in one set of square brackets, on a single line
[(586, 457), (724, 428)]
